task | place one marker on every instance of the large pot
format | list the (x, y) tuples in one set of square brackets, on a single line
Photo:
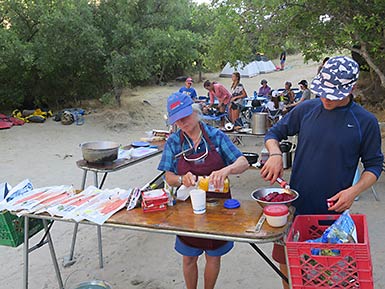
[(100, 151), (258, 124)]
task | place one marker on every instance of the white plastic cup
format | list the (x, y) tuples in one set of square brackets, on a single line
[(198, 201)]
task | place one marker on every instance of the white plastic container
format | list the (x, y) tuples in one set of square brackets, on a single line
[(276, 215)]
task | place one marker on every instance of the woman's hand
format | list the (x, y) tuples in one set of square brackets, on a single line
[(189, 180), (217, 178)]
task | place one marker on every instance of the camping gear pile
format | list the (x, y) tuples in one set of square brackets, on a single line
[(70, 115)]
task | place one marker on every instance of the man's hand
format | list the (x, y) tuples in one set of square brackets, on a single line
[(272, 169), (342, 200)]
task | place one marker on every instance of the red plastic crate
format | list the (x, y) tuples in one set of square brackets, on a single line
[(351, 269)]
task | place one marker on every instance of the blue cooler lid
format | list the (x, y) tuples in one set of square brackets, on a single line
[(232, 204)]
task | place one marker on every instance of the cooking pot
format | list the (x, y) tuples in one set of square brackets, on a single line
[(259, 124), (100, 151)]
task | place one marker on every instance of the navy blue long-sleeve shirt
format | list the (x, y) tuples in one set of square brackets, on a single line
[(330, 144)]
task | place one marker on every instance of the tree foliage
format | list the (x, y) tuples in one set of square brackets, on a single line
[(57, 51)]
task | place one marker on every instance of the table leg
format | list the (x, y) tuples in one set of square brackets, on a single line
[(271, 264), (26, 252), (103, 179), (53, 256), (84, 179), (99, 228), (96, 182), (70, 260), (100, 246)]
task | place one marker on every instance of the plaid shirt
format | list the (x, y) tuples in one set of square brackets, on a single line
[(226, 149)]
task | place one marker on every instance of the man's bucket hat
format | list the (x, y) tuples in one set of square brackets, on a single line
[(336, 78)]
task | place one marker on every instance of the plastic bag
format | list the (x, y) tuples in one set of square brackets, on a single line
[(343, 230)]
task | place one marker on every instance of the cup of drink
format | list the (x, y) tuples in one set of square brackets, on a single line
[(198, 201)]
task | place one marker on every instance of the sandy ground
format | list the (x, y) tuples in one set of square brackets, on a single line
[(46, 154)]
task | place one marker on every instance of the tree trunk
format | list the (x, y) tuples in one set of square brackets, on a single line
[(364, 53), (118, 92)]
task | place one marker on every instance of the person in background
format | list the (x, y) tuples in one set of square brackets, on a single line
[(189, 90), (334, 133), (218, 91), (282, 58), (197, 149), (274, 103), (287, 96), (238, 94), (305, 95), (264, 90), (274, 107), (322, 64)]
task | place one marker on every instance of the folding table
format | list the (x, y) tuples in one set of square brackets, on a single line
[(217, 223)]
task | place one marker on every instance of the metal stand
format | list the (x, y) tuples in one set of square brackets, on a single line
[(268, 261), (26, 250), (70, 260)]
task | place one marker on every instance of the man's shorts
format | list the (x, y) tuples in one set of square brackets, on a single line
[(186, 250)]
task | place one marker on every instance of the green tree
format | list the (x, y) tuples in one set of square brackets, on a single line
[(52, 50), (322, 27)]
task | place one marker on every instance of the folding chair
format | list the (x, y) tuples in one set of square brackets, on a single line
[(214, 119), (274, 115)]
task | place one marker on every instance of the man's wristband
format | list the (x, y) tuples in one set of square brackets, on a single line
[(180, 180), (275, 154)]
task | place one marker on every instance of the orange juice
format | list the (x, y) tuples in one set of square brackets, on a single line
[(204, 184)]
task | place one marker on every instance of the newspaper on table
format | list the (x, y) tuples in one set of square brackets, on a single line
[(50, 197), (92, 204), (75, 202), (19, 190), (24, 199), (102, 207)]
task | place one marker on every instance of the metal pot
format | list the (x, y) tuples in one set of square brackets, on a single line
[(100, 151), (259, 120)]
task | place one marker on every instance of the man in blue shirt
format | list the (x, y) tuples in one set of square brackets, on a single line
[(334, 133), (188, 89)]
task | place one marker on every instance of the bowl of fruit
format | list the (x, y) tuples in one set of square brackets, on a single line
[(274, 196)]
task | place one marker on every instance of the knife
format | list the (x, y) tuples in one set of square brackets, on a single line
[(258, 226)]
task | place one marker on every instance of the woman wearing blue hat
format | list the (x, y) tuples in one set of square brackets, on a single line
[(197, 149), (334, 133)]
